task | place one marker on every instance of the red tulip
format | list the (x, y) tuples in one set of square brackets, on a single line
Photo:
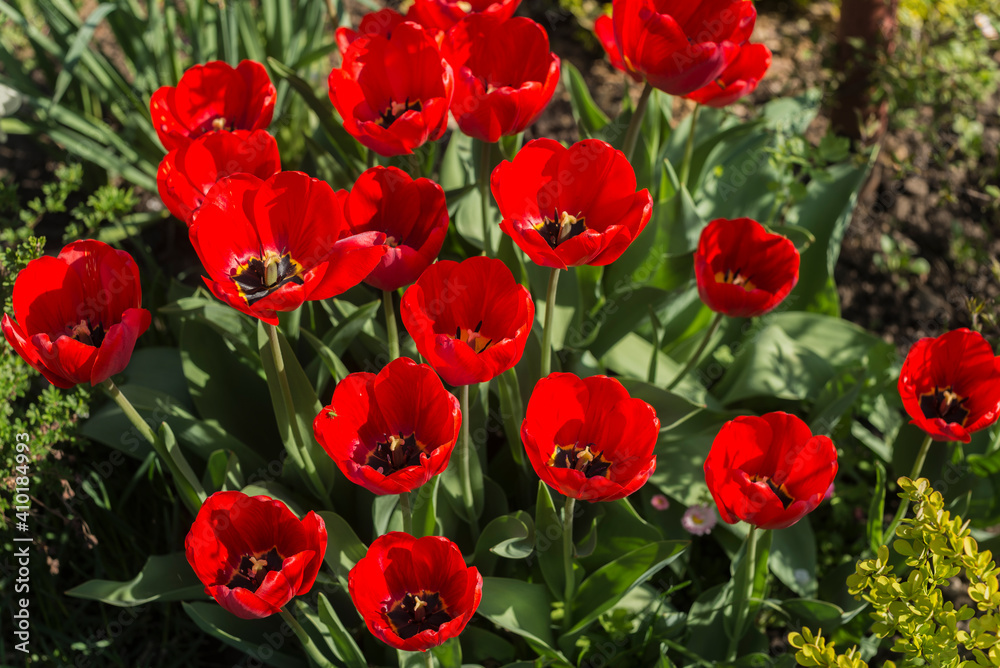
[(413, 215), (414, 593), (393, 93), (78, 314), (469, 320), (504, 74), (443, 14), (391, 432), (252, 554), (951, 385), (187, 173), (587, 438), (213, 96), (742, 270), (739, 79), (270, 245), (677, 46), (769, 471), (566, 207), (382, 22)]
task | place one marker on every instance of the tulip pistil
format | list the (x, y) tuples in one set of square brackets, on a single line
[(946, 404), (580, 458), (395, 453), (561, 228), (417, 612), (736, 278), (219, 124), (254, 568), (259, 277), (84, 332), (476, 341)]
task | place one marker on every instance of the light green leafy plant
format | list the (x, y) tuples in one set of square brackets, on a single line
[(926, 629)]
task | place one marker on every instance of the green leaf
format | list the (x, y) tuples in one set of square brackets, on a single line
[(601, 590), (305, 402), (259, 638), (480, 645), (449, 653), (707, 637), (622, 532), (813, 613), (876, 509), (510, 536), (793, 557), (76, 49), (520, 607), (548, 542), (343, 547), (162, 578), (424, 507), (589, 117), (222, 386), (343, 643)]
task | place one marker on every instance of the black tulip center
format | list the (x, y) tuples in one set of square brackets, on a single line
[(254, 568), (560, 228), (395, 453), (84, 332), (946, 404), (779, 490), (260, 277), (416, 613), (581, 458), (396, 109)]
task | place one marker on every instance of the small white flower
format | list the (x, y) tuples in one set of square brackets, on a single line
[(699, 519)]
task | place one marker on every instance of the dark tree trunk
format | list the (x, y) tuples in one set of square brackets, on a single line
[(873, 24)]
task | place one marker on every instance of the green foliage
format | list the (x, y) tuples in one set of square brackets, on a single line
[(108, 204), (926, 629), (944, 62)]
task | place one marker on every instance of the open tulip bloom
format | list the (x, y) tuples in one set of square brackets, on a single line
[(443, 14), (252, 554), (413, 215), (270, 245), (213, 97), (77, 315), (587, 438), (391, 432), (950, 385), (187, 173), (414, 593), (566, 207), (393, 93), (505, 74), (769, 471), (470, 320)]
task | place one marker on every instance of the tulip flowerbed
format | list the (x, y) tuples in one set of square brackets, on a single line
[(439, 396)]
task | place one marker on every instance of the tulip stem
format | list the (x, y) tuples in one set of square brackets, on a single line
[(569, 592), (185, 481), (632, 134), (307, 643), (465, 459), (392, 331), (550, 307), (689, 146), (298, 452), (904, 505), (485, 165), (693, 360), (743, 579), (404, 505)]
